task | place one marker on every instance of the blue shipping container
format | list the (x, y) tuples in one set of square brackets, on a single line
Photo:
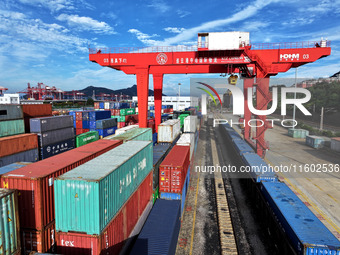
[(160, 231), (307, 234), (86, 124), (56, 148), (260, 170), (12, 167), (242, 147), (99, 115), (25, 156), (101, 105), (106, 132)]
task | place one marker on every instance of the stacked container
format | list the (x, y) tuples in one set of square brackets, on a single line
[(89, 203), (9, 223), (298, 133), (106, 127), (168, 131), (190, 124), (36, 200), (95, 116), (136, 134), (17, 148), (11, 120), (55, 134), (315, 141), (125, 129), (187, 139), (34, 111), (86, 138)]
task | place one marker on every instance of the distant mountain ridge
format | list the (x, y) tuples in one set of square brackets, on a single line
[(131, 91)]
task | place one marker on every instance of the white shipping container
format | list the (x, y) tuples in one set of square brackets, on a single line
[(227, 40), (335, 144), (106, 105), (168, 131), (187, 139), (190, 124), (124, 129)]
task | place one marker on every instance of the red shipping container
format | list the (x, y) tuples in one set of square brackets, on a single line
[(79, 116), (121, 124), (112, 239), (40, 241), (36, 110), (17, 143), (79, 124), (35, 182), (81, 131), (96, 105), (173, 169), (151, 124)]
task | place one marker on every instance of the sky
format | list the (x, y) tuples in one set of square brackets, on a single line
[(47, 40)]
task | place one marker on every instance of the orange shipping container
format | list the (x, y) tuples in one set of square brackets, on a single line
[(18, 143)]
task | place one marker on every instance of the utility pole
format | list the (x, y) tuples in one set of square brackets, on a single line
[(321, 119), (294, 97)]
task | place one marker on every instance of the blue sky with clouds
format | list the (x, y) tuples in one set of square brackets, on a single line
[(47, 40)]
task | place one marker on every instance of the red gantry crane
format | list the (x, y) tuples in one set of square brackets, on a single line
[(225, 52)]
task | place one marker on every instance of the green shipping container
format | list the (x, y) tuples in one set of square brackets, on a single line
[(89, 196), (121, 118), (9, 227), (155, 195), (123, 112), (297, 133), (12, 127), (136, 134), (130, 111), (86, 138)]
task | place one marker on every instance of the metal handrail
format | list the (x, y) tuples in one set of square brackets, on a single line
[(183, 48)]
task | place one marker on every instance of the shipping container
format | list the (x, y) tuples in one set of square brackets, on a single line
[(107, 105), (306, 233), (155, 195), (173, 169), (168, 131), (101, 105), (13, 166), (160, 151), (40, 241), (85, 116), (298, 133), (56, 148), (151, 124), (40, 125), (81, 131), (118, 174), (35, 182), (9, 222), (96, 105), (106, 123), (315, 141), (86, 138), (37, 110), (187, 139), (160, 232), (259, 169), (79, 115), (112, 238), (99, 115), (14, 144), (190, 124), (335, 144), (124, 129), (121, 125), (11, 112), (24, 156), (12, 127), (86, 124), (79, 124), (54, 136), (181, 117), (241, 147), (136, 134), (106, 132)]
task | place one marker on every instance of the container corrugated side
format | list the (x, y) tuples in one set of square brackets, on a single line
[(12, 127), (168, 131), (56, 148), (37, 110), (258, 168), (86, 138), (187, 139), (136, 134), (13, 166), (242, 147), (43, 124), (9, 222), (335, 144), (306, 232), (99, 115), (10, 112), (112, 238), (190, 124), (35, 182), (87, 200), (106, 123), (17, 143), (24, 156), (55, 136), (160, 231), (160, 151), (39, 241), (106, 132)]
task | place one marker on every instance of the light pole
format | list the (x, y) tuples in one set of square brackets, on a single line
[(179, 95), (294, 98)]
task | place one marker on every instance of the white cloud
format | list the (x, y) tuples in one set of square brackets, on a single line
[(160, 6), (86, 24), (109, 15), (182, 13), (254, 26), (53, 5), (144, 37), (298, 21), (188, 34), (175, 30)]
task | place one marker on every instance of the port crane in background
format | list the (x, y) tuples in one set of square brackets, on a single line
[(224, 52), (42, 92), (2, 90)]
